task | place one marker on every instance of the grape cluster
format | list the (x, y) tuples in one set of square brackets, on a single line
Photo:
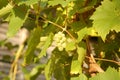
[(60, 41)]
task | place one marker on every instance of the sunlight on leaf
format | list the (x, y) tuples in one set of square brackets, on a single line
[(45, 46), (61, 2), (106, 18), (32, 43), (75, 67), (17, 19), (48, 70), (5, 10), (81, 55), (27, 2), (110, 74)]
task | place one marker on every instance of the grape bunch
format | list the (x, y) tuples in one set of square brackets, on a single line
[(60, 41)]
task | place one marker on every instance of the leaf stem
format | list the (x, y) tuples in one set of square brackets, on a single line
[(118, 63), (38, 10), (108, 60), (59, 27)]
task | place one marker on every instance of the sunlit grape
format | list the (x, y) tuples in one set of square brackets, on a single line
[(58, 44), (60, 40), (60, 48), (64, 45)]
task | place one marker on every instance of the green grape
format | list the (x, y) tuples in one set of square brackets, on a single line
[(64, 39), (60, 48), (64, 45), (60, 41), (59, 33), (57, 40), (58, 44)]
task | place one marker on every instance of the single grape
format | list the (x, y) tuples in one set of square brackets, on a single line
[(64, 45), (58, 44), (60, 48)]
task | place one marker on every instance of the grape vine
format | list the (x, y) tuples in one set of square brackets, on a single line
[(67, 40)]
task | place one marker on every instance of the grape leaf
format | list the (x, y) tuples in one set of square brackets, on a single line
[(36, 71), (81, 33), (61, 2), (70, 46), (81, 77), (81, 55), (27, 2), (75, 67), (110, 74), (107, 17), (32, 43), (19, 15), (49, 69), (45, 47), (75, 78), (3, 3), (5, 10), (59, 71)]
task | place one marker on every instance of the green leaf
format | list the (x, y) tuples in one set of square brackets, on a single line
[(107, 17), (19, 15), (81, 33), (3, 3), (36, 71), (78, 25), (26, 73), (5, 10), (27, 2), (61, 2), (45, 47), (59, 72), (70, 46), (81, 77), (32, 43), (110, 74), (48, 71), (75, 67), (75, 78), (81, 55), (86, 31)]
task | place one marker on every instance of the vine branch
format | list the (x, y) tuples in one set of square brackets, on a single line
[(118, 63), (59, 27), (14, 65)]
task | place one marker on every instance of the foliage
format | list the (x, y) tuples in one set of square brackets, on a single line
[(107, 14), (84, 33), (107, 75)]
